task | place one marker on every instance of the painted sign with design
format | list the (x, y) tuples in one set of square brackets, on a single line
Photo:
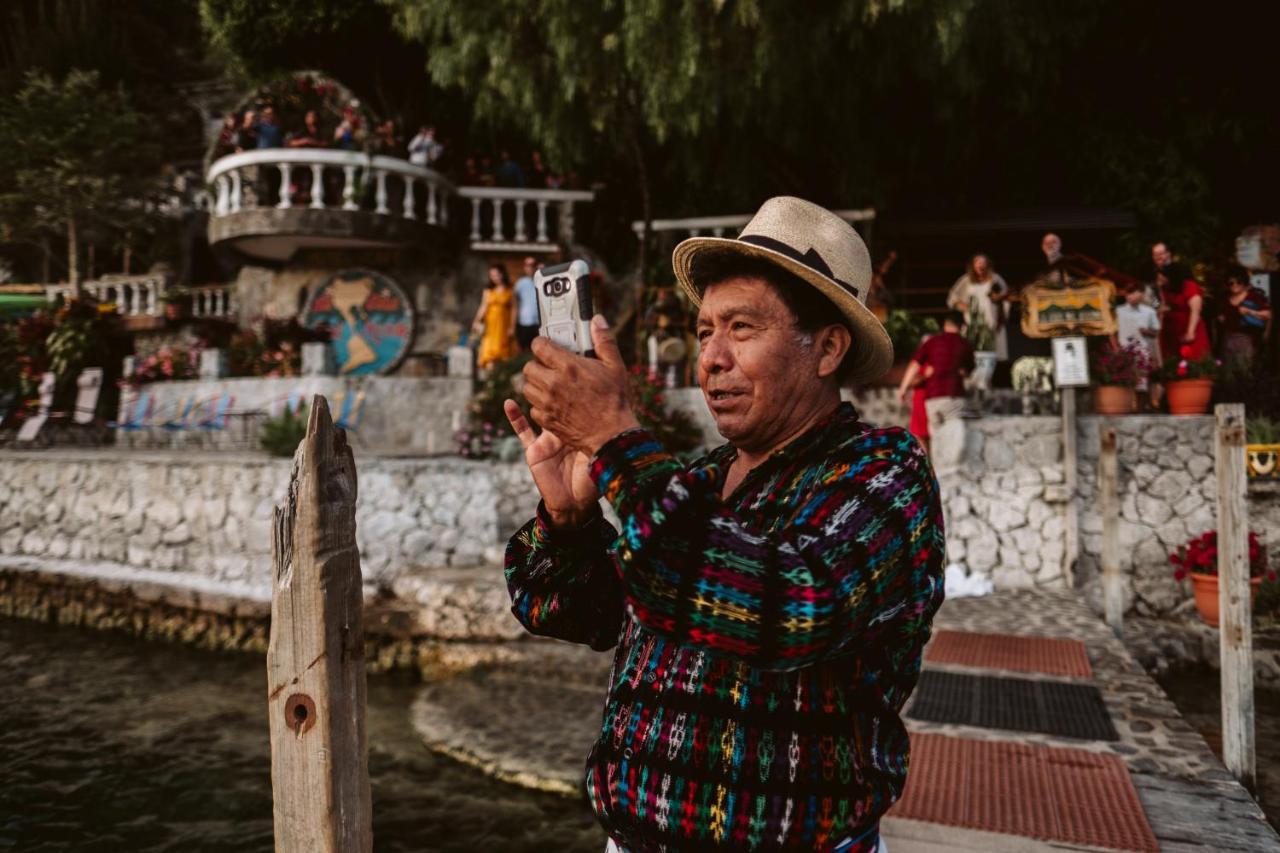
[(371, 319)]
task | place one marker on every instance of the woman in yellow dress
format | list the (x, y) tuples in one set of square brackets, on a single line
[(497, 316)]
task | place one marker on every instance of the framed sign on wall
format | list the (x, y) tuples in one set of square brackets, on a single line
[(1083, 307)]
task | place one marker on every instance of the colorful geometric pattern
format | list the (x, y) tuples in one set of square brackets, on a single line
[(1067, 795), (1045, 655), (765, 643)]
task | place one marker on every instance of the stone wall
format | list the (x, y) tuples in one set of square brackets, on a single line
[(401, 416), (210, 515)]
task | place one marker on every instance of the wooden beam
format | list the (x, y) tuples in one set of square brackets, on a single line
[(315, 660), (1112, 580), (1234, 601)]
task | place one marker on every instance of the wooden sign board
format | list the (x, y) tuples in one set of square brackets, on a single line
[(1083, 307)]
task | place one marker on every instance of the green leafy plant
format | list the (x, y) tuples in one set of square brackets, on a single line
[(1261, 429), (978, 331), (907, 330), (280, 435), (1185, 368)]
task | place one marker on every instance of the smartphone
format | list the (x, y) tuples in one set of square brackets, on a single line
[(564, 305)]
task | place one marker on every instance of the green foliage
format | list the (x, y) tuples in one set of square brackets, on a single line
[(1173, 370), (1260, 429), (73, 153), (280, 435), (977, 330), (907, 330)]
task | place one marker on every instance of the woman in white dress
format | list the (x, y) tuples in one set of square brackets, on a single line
[(982, 288)]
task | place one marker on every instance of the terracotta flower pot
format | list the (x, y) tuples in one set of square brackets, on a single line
[(1114, 400), (1206, 590), (1189, 396)]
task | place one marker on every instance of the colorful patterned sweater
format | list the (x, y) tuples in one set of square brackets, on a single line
[(765, 643)]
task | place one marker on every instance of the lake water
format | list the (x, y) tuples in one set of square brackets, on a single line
[(109, 743), (1198, 695)]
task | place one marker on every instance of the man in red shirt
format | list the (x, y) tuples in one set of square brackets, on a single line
[(950, 358)]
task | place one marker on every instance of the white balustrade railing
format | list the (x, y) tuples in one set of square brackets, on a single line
[(212, 300), (324, 179), (521, 220), (133, 295), (720, 226)]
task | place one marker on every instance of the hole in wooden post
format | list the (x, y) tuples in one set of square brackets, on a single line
[(299, 713)]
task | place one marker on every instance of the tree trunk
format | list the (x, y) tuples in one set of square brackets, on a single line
[(73, 258)]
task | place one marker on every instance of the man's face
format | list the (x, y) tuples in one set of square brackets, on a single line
[(1133, 297), (753, 367), (1051, 245), (530, 266), (1160, 255)]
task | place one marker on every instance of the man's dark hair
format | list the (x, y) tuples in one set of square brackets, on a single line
[(811, 308), (954, 317)]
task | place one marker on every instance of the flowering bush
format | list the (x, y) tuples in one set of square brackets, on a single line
[(673, 428), (1200, 556), (476, 442), (1121, 365), (1187, 368), (166, 364)]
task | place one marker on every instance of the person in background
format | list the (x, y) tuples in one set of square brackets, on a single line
[(1161, 257), (228, 135), (424, 150), (247, 137), (885, 278), (268, 129), (486, 171), (1182, 330), (1245, 322), (310, 136), (919, 424), (526, 305), (945, 359), (1138, 325), (496, 317), (346, 135), (509, 172), (981, 289), (385, 141), (537, 171)]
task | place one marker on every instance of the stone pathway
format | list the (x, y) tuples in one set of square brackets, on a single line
[(532, 721)]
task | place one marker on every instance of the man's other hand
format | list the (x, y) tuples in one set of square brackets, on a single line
[(561, 474), (582, 401)]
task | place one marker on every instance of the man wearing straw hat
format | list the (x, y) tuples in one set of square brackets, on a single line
[(770, 602)]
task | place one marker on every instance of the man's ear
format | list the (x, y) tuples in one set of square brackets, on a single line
[(833, 344)]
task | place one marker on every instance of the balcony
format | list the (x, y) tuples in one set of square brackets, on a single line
[(495, 228), (138, 298), (272, 202)]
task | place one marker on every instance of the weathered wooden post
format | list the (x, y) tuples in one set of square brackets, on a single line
[(315, 661), (1234, 604), (1071, 521), (1112, 580)]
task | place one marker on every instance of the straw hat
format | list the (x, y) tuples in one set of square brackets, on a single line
[(817, 246)]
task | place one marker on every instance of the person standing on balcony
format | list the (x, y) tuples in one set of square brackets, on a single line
[(496, 318), (268, 129), (527, 306), (347, 134), (770, 602), (509, 172), (424, 150), (247, 137), (310, 136)]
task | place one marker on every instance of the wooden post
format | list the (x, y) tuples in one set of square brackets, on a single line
[(1236, 628), (315, 660), (1071, 523), (1112, 579)]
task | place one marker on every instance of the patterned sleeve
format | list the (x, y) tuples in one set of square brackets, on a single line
[(565, 584), (863, 552)]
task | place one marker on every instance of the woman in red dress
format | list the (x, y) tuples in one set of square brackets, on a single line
[(1181, 324)]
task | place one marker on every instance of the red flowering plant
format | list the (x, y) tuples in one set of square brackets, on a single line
[(1200, 556), (1121, 365), (164, 365), (1185, 367)]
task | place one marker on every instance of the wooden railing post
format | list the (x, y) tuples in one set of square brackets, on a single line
[(1234, 604), (315, 660), (1112, 580)]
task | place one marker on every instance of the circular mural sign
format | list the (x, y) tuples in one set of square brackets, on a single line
[(370, 317)]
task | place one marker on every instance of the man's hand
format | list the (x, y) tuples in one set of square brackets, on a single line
[(561, 475), (582, 401)]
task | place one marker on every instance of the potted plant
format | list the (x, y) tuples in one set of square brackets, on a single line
[(983, 340), (1189, 383), (1117, 371), (1198, 559), (1263, 448)]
